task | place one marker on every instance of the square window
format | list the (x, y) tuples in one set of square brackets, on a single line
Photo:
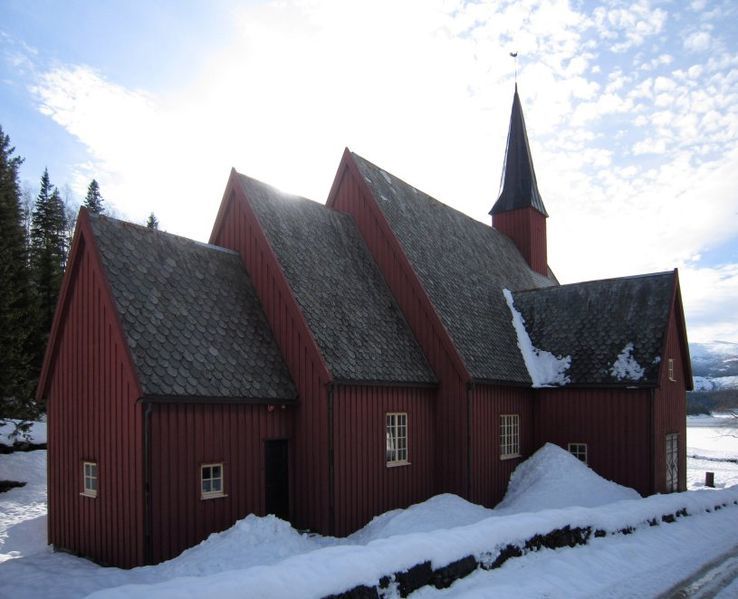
[(579, 451), (509, 436), (89, 479), (211, 481), (396, 435)]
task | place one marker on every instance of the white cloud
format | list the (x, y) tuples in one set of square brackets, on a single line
[(699, 41)]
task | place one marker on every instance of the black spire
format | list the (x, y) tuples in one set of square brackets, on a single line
[(519, 186)]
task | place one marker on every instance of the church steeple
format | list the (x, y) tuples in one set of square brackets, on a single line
[(519, 185), (519, 212)]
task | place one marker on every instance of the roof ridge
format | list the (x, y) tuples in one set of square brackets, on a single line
[(661, 273), (150, 231)]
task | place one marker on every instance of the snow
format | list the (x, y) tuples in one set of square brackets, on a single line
[(544, 368), (716, 383), (712, 446), (266, 557), (554, 478), (626, 367), (9, 433)]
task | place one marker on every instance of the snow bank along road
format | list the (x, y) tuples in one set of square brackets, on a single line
[(266, 557)]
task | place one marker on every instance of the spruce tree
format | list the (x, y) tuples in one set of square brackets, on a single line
[(17, 379), (48, 257), (152, 222), (94, 200)]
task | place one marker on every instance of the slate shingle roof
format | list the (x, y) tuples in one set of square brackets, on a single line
[(357, 325), (593, 322), (191, 317), (463, 265)]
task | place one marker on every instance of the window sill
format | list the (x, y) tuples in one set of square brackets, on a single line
[(90, 495), (213, 496), (396, 464), (510, 456)]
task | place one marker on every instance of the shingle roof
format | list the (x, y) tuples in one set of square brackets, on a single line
[(463, 265), (357, 325), (519, 185), (191, 317), (594, 322)]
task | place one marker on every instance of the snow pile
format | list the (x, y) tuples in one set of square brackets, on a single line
[(545, 369), (436, 513), (23, 509), (553, 478), (10, 432), (626, 367), (252, 541)]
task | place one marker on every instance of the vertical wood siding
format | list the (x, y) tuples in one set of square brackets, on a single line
[(527, 228), (490, 474), (93, 416), (185, 436), (450, 424), (614, 423), (670, 410), (364, 485), (240, 231)]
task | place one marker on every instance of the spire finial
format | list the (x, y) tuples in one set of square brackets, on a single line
[(515, 58)]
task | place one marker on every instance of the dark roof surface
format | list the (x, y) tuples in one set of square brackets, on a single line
[(191, 317), (519, 185), (594, 322), (357, 325), (463, 265)]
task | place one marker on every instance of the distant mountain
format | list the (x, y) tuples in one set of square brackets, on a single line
[(714, 365)]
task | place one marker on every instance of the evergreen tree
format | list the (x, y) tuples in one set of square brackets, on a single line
[(152, 222), (94, 200), (48, 256), (17, 379)]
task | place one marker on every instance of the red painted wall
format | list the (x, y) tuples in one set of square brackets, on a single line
[(350, 195), (615, 424), (93, 416), (185, 436), (490, 474), (364, 485), (527, 228), (670, 411), (238, 229)]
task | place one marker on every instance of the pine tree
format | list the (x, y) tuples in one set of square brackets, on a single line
[(17, 378), (48, 255), (94, 200), (152, 222)]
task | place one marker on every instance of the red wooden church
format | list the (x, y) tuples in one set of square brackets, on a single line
[(327, 363)]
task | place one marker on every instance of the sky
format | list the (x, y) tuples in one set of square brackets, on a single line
[(631, 110)]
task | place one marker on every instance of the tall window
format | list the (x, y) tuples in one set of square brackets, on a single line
[(509, 436), (89, 477), (671, 369), (396, 438), (579, 451), (672, 462), (211, 481)]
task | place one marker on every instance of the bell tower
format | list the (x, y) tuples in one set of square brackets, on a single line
[(519, 212)]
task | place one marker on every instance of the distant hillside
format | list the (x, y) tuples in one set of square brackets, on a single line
[(714, 365), (715, 370)]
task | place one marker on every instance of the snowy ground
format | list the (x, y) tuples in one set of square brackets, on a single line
[(265, 557)]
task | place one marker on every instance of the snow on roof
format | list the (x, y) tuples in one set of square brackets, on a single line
[(626, 367), (544, 368)]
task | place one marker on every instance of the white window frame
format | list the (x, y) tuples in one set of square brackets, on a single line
[(89, 479), (396, 447), (211, 481), (671, 369), (509, 436), (672, 462), (579, 451)]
